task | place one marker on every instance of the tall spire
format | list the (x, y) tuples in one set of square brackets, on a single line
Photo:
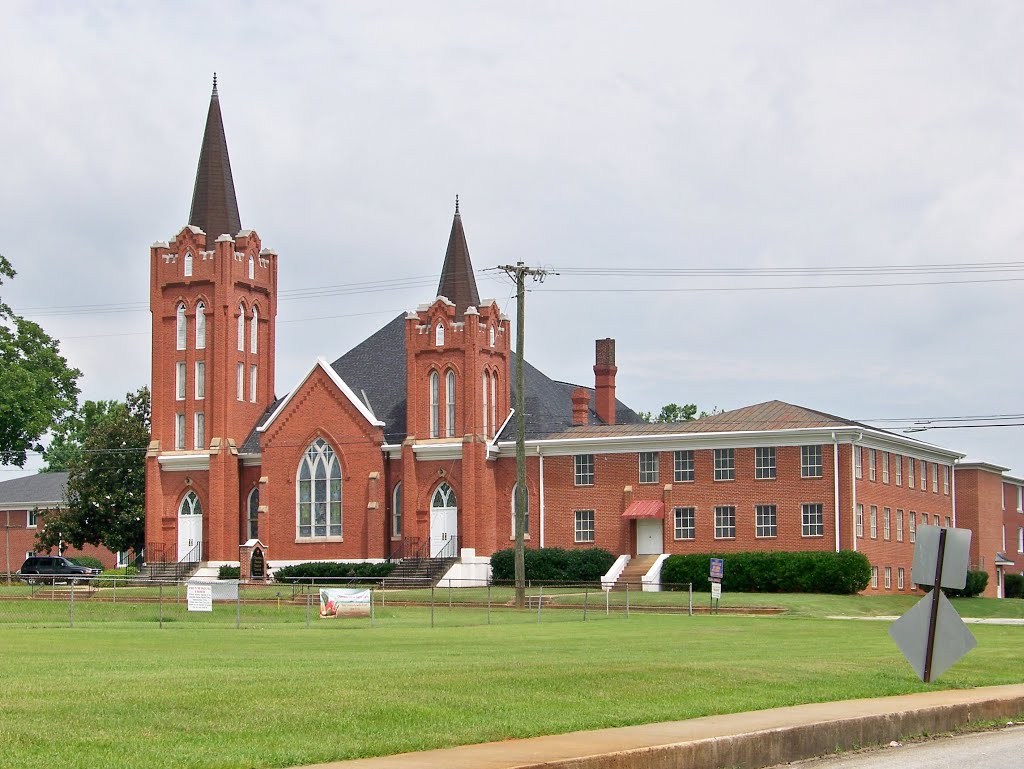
[(457, 280), (214, 208)]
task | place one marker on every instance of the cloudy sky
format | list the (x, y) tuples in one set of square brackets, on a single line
[(776, 193)]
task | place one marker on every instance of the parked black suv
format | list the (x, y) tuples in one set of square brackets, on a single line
[(54, 568)]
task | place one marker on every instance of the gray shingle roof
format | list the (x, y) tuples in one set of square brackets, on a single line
[(31, 490)]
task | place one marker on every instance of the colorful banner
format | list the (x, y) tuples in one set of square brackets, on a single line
[(344, 601)]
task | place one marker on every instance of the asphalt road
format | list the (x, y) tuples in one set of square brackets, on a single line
[(982, 750)]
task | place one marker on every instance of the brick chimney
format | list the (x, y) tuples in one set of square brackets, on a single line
[(580, 405), (604, 380)]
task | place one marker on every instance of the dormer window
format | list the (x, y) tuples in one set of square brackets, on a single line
[(439, 335), (252, 268), (241, 328), (188, 264), (201, 326), (490, 336), (182, 326), (254, 330)]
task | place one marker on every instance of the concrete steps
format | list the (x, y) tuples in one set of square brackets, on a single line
[(633, 574)]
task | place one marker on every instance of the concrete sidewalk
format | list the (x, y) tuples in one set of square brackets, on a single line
[(748, 740)]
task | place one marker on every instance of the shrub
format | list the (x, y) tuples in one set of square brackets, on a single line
[(554, 564), (321, 570), (87, 561), (815, 571), (977, 581), (1013, 586), (229, 572)]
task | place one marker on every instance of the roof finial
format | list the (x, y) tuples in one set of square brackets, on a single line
[(456, 203), (214, 84)]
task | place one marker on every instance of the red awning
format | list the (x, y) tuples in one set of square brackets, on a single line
[(648, 508)]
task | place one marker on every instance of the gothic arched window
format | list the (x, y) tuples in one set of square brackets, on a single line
[(254, 330), (526, 508), (494, 403), (188, 264), (182, 325), (318, 492), (396, 511), (252, 268), (190, 505), (439, 334), (201, 326), (449, 396), (252, 514), (487, 386), (490, 335), (241, 328), (435, 405)]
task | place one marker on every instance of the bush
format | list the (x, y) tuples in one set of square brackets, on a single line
[(229, 572), (815, 571), (87, 561), (977, 581), (1013, 586), (320, 570), (554, 564)]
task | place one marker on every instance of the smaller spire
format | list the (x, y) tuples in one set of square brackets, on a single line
[(456, 203), (214, 94)]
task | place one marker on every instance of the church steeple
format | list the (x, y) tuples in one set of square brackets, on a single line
[(458, 283), (214, 207)]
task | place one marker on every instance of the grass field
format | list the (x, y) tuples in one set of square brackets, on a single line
[(195, 695)]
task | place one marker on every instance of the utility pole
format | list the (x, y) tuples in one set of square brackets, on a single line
[(518, 272)]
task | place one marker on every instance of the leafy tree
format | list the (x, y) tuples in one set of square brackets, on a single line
[(106, 492), (37, 387), (72, 431), (673, 412)]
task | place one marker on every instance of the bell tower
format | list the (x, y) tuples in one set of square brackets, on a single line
[(213, 299)]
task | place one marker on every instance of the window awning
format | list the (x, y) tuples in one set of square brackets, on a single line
[(648, 508), (1002, 560)]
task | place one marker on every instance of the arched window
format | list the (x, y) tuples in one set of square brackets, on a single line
[(318, 492), (449, 401), (252, 268), (188, 264), (494, 403), (435, 406), (201, 326), (439, 334), (190, 505), (396, 511), (490, 335), (487, 386), (526, 516), (241, 328), (182, 325), (444, 496), (254, 331), (252, 514)]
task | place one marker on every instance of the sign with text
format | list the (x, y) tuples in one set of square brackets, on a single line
[(717, 569), (344, 602), (200, 597), (716, 591)]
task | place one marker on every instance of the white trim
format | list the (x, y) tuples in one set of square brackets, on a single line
[(176, 463), (338, 382), (494, 450), (735, 439), (25, 506), (450, 450)]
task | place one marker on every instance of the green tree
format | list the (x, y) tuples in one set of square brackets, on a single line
[(672, 412), (37, 387), (106, 491), (72, 431)]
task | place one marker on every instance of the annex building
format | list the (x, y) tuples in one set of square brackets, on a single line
[(404, 445)]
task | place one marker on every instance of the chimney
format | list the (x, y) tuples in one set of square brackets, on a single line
[(580, 405), (604, 380)]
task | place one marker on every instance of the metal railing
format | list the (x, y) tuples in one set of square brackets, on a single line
[(450, 549)]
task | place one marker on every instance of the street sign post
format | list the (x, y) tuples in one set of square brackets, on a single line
[(717, 572), (931, 635)]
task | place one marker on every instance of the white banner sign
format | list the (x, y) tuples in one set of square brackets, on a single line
[(200, 597), (339, 602), (716, 590)]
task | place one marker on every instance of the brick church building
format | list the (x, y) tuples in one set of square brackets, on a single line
[(404, 445)]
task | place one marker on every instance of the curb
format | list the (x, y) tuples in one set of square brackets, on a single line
[(743, 740)]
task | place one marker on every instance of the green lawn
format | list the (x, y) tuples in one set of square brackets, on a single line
[(199, 695)]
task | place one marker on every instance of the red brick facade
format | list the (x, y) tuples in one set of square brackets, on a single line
[(20, 528), (807, 472)]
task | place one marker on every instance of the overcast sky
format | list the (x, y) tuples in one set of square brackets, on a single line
[(629, 136)]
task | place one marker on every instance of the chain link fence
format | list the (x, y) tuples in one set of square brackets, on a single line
[(324, 603)]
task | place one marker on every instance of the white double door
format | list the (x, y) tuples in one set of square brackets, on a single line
[(190, 534), (444, 527), (648, 536)]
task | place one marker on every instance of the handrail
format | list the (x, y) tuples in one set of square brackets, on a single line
[(449, 550)]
